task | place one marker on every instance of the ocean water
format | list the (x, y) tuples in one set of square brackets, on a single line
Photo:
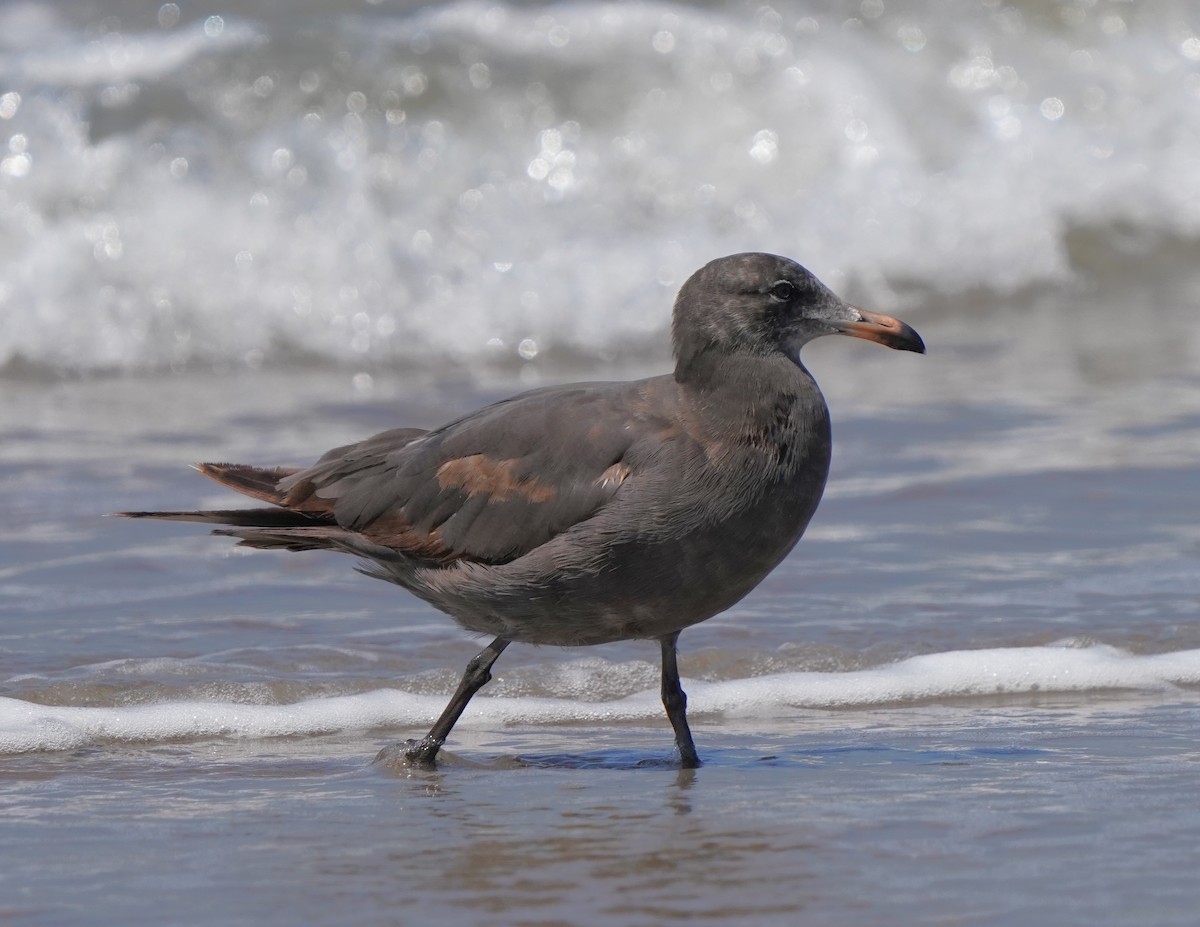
[(253, 232)]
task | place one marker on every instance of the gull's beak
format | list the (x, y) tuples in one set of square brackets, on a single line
[(882, 329)]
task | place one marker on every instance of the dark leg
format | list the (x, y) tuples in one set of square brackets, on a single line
[(422, 752), (675, 702)]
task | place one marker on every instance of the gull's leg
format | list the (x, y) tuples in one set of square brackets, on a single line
[(422, 752), (675, 702)]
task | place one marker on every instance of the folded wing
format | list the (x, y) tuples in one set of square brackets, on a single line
[(487, 488)]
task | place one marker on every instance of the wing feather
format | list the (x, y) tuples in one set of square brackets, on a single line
[(488, 487)]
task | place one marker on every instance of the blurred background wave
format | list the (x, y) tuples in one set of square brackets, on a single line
[(471, 185)]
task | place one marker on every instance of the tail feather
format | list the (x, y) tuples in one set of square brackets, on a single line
[(257, 482), (251, 518), (314, 537), (261, 483)]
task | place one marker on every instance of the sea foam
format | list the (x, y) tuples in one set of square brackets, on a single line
[(464, 182), (25, 726)]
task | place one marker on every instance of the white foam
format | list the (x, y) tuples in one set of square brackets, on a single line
[(177, 198), (25, 726)]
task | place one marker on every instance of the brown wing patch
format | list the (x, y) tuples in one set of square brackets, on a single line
[(392, 530), (497, 479)]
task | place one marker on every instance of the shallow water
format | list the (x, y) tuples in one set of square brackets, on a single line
[(1064, 811), (965, 691), (970, 696)]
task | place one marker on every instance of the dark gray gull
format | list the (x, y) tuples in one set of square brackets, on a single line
[(595, 512)]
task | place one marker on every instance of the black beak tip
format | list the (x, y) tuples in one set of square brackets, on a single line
[(912, 342), (903, 337)]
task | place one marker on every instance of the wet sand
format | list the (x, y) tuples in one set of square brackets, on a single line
[(1067, 811)]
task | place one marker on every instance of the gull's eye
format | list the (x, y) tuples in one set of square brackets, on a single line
[(782, 291)]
